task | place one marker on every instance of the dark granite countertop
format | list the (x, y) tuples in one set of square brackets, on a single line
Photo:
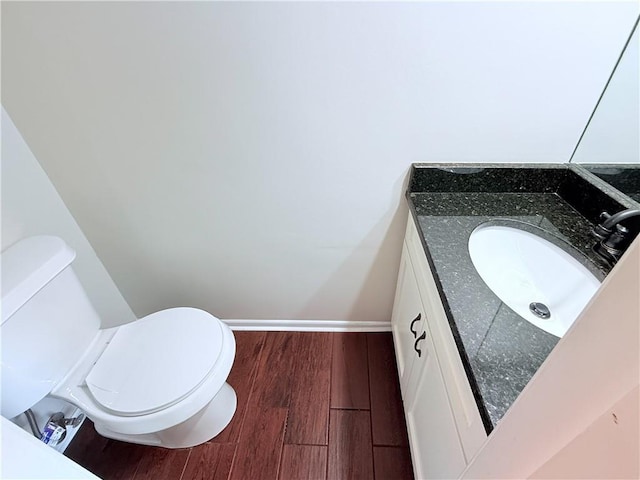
[(623, 177), (500, 350)]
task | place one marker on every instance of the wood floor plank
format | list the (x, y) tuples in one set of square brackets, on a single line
[(308, 421), (120, 460), (350, 448), (210, 461), (387, 414), (260, 444), (106, 458), (272, 386), (349, 371), (303, 462), (86, 444), (117, 461), (392, 463), (285, 396), (164, 463), (248, 350)]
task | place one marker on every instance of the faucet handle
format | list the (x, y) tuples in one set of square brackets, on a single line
[(613, 237), (600, 231), (617, 239), (604, 216)]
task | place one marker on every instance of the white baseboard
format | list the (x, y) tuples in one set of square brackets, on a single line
[(308, 325)]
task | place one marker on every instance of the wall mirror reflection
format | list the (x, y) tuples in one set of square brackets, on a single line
[(610, 144)]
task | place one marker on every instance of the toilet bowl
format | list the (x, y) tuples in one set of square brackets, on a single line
[(160, 380)]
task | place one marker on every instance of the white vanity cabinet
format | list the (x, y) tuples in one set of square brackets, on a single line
[(444, 424)]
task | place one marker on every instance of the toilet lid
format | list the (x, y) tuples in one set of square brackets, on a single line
[(156, 361)]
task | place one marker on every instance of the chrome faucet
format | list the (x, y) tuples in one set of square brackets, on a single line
[(613, 237)]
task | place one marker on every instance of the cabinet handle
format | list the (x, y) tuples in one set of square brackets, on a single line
[(417, 319), (418, 340)]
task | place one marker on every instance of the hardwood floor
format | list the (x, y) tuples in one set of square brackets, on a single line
[(310, 406)]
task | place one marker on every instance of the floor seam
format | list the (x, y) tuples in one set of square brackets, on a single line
[(184, 467)]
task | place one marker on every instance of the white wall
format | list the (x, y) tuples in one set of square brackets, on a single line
[(31, 206), (608, 448), (249, 158)]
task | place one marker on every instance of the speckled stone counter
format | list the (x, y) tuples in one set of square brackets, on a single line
[(625, 178), (500, 350)]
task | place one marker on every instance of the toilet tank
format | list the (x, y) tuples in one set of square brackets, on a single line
[(48, 321)]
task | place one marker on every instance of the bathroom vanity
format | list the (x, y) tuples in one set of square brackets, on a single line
[(443, 421), (463, 355)]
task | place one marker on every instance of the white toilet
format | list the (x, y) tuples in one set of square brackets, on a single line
[(160, 380)]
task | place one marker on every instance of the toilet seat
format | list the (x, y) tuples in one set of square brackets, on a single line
[(156, 361)]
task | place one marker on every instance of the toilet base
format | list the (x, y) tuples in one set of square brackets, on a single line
[(202, 426)]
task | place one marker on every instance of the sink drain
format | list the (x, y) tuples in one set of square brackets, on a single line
[(540, 309)]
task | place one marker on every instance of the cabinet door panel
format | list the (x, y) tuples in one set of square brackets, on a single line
[(435, 446), (407, 318)]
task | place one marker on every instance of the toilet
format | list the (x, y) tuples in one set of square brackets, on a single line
[(160, 380)]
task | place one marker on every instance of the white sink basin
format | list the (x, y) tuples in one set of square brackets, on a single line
[(522, 269)]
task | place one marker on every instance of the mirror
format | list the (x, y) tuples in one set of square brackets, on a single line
[(610, 143)]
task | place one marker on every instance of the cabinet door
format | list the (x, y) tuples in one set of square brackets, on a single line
[(407, 320), (435, 446)]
